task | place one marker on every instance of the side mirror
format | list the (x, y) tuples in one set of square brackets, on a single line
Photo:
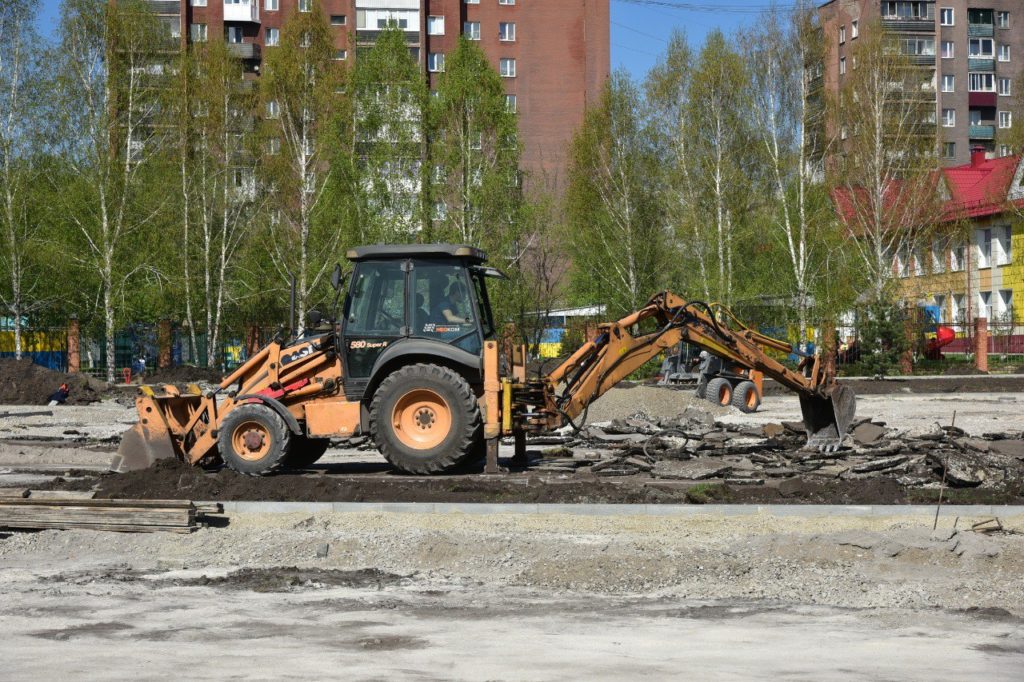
[(336, 277), (314, 317)]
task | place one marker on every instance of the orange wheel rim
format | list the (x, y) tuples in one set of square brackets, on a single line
[(723, 395), (752, 399), (251, 440), (421, 419)]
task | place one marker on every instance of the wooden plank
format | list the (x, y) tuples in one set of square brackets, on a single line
[(15, 493), (117, 515), (61, 494), (162, 504)]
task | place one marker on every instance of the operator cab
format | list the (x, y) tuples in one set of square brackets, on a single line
[(432, 294)]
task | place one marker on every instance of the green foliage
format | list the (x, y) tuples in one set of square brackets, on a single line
[(883, 336)]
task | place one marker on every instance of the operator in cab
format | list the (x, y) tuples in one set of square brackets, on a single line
[(453, 308)]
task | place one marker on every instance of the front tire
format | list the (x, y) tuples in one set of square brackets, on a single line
[(253, 440), (745, 397), (425, 419)]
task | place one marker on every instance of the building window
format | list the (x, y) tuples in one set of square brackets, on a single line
[(197, 32), (273, 109), (948, 83), (985, 304), (842, 65), (307, 39), (506, 2), (981, 82), (340, 55), (510, 103), (938, 257), (270, 5), (1005, 119), (198, 3), (507, 31), (273, 37), (305, 5), (338, 20), (233, 35), (854, 29), (1003, 19), (949, 150), (949, 118), (507, 67), (435, 62), (1004, 53), (984, 238), (956, 257), (946, 16), (948, 49), (843, 133), (435, 26), (842, 34), (1004, 150), (1005, 301), (1005, 84), (1004, 244), (274, 146), (471, 29), (982, 48), (471, 2)]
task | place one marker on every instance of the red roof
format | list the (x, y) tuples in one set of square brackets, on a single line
[(975, 189), (979, 188)]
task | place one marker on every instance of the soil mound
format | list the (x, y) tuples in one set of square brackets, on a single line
[(22, 382), (184, 374)]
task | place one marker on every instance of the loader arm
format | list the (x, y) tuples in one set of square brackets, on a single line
[(828, 407)]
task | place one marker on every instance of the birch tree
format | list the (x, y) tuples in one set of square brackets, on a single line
[(21, 84), (786, 113), (216, 153), (667, 90), (617, 235), (108, 73), (475, 153), (385, 144), (883, 126), (720, 153), (300, 83)]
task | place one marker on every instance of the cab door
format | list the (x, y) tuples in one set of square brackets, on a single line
[(375, 318)]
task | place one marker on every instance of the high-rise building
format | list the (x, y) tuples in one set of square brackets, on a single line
[(973, 50), (552, 55)]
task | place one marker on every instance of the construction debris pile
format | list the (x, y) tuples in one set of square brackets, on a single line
[(694, 446)]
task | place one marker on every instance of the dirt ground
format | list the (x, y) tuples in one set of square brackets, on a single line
[(521, 597), (23, 382)]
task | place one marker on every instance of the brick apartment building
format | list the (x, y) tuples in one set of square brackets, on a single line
[(552, 54), (972, 49)]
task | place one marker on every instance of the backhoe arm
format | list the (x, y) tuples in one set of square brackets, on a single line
[(828, 408)]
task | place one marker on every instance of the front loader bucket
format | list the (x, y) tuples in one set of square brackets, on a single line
[(827, 420), (141, 446)]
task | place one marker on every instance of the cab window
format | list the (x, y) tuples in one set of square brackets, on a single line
[(377, 300), (442, 305)]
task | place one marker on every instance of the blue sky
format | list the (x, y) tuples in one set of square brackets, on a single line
[(640, 30)]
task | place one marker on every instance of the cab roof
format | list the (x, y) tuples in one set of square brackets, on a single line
[(395, 251)]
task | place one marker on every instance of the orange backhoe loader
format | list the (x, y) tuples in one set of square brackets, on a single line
[(415, 361)]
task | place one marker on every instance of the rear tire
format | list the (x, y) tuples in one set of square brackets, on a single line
[(304, 451), (719, 391), (425, 419), (745, 397), (253, 440)]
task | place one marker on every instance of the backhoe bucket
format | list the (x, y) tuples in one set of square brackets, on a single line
[(152, 438), (827, 420), (142, 445)]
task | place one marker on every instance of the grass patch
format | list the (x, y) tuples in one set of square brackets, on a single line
[(707, 493)]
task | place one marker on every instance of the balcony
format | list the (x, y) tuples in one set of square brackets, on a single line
[(980, 30), (244, 50), (164, 7), (982, 132), (921, 59), (986, 64), (909, 25), (246, 10), (367, 36)]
